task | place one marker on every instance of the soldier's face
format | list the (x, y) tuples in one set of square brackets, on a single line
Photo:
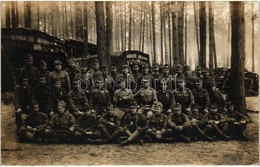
[(231, 108), (177, 111), (72, 63), (205, 74), (58, 67), (166, 71), (42, 81), (43, 66), (61, 109), (35, 108), (199, 85), (113, 70), (96, 66), (181, 84), (29, 61), (155, 69), (146, 70), (213, 110), (25, 82), (136, 68), (195, 110), (57, 85), (157, 110), (105, 72), (125, 70)]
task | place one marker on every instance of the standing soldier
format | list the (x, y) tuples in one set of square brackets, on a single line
[(23, 96), (72, 70), (128, 78), (62, 125), (137, 75), (100, 98), (207, 80), (122, 99), (166, 77), (59, 74), (180, 124), (77, 100), (29, 71), (201, 97), (58, 94), (156, 76), (166, 97), (95, 72), (114, 74), (34, 127), (178, 72), (216, 97), (198, 73), (183, 96), (189, 79), (146, 97), (85, 81), (107, 79), (146, 75), (43, 96), (43, 70)]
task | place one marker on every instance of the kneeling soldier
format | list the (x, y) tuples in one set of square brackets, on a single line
[(88, 128), (180, 124), (237, 122), (34, 126), (62, 125)]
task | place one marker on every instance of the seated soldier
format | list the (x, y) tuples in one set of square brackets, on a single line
[(180, 124), (110, 125), (134, 125), (217, 124), (100, 98), (88, 128), (146, 97), (122, 99), (157, 125), (34, 126), (62, 125), (215, 97), (23, 96), (77, 100), (58, 94), (166, 97), (43, 96), (237, 122), (198, 123)]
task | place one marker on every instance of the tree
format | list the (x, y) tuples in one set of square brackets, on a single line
[(109, 26), (130, 27), (180, 34), (85, 24), (211, 38), (27, 14), (203, 34), (237, 93), (154, 32), (196, 27), (7, 15), (100, 23), (14, 14)]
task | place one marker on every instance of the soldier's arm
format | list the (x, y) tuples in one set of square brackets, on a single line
[(154, 96), (71, 104), (222, 119), (187, 121), (51, 123), (170, 123), (173, 101), (206, 98), (45, 121), (192, 100), (78, 126), (16, 99), (73, 122), (68, 81), (108, 102)]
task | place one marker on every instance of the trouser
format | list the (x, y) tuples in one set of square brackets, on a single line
[(18, 118), (30, 135), (216, 130), (60, 135), (82, 137), (236, 129), (184, 132)]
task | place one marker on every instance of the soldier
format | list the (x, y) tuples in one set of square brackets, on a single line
[(77, 100), (137, 75), (23, 96), (95, 72), (110, 126), (237, 122), (146, 97), (107, 79), (166, 77), (34, 126), (58, 94), (156, 76), (198, 123), (100, 99), (216, 97), (128, 78), (43, 95), (59, 74), (157, 126), (62, 125), (183, 96), (29, 71), (114, 74), (207, 80), (146, 75), (166, 97), (85, 81), (198, 73), (122, 99), (72, 70), (217, 124), (88, 128), (43, 70), (201, 97), (189, 79), (178, 72), (179, 124)]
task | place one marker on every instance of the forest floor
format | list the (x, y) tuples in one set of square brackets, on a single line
[(195, 153)]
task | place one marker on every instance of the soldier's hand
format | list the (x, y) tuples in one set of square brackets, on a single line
[(188, 109), (47, 130), (211, 121), (224, 109), (29, 127), (243, 122), (71, 129), (193, 123), (81, 113), (206, 110), (19, 110), (158, 136), (169, 111), (34, 129), (51, 113), (89, 132), (112, 124)]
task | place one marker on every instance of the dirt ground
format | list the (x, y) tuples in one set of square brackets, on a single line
[(196, 153)]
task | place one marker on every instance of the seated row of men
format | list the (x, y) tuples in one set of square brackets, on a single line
[(134, 126)]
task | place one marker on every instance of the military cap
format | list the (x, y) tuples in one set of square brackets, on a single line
[(28, 56), (157, 105), (229, 103), (57, 62), (166, 66), (194, 105), (104, 67), (177, 106), (205, 70), (124, 66), (42, 62), (198, 81), (178, 66), (62, 104), (96, 61), (186, 68), (212, 105), (155, 64), (145, 81), (145, 66), (133, 103), (113, 66)]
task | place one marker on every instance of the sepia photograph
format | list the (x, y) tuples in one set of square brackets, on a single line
[(129, 83)]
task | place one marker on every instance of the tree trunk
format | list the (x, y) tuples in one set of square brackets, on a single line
[(175, 39), (154, 32), (100, 24), (253, 38), (211, 38), (185, 35), (27, 14), (170, 37), (7, 15), (130, 27), (203, 34), (143, 34), (85, 22), (66, 20), (180, 34), (109, 26), (78, 20), (38, 16), (71, 20), (13, 14), (161, 23), (237, 95), (196, 28)]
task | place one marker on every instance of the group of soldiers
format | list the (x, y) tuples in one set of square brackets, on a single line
[(101, 105)]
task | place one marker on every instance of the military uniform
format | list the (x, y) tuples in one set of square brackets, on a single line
[(42, 70), (217, 98), (128, 79), (96, 72), (201, 97), (166, 97), (43, 95), (207, 80), (58, 94), (166, 78), (184, 97)]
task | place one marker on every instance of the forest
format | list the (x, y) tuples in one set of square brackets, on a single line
[(170, 32)]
